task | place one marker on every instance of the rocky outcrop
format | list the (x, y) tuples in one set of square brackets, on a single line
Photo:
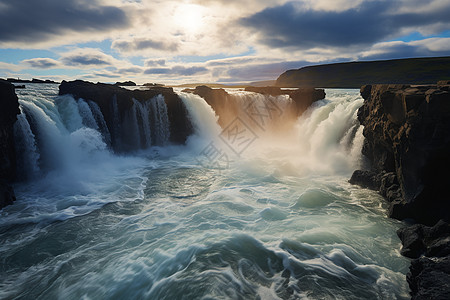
[(8, 115), (429, 247), (227, 106), (125, 83), (115, 102), (407, 140)]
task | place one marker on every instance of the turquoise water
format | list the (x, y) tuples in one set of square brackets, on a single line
[(279, 222)]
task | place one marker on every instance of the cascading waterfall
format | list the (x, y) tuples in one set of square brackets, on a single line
[(331, 137), (87, 115), (100, 122), (281, 222), (160, 120), (143, 122), (43, 145), (265, 111), (26, 148), (146, 124)]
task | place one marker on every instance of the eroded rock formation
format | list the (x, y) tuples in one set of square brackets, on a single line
[(8, 115), (115, 102), (407, 140)]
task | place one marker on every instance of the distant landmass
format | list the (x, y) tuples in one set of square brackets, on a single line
[(356, 74), (34, 80)]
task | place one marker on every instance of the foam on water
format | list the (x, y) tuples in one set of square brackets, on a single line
[(281, 222)]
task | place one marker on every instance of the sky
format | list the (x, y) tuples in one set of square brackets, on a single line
[(223, 41)]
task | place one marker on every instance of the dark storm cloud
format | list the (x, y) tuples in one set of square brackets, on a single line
[(177, 70), (41, 63), (37, 21), (290, 26), (138, 44)]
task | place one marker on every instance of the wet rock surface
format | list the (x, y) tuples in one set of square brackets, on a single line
[(8, 115), (105, 95), (407, 141)]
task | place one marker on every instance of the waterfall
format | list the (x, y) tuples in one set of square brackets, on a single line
[(101, 123), (55, 135), (26, 148), (130, 133), (330, 135), (87, 115), (160, 120), (143, 122), (326, 139), (202, 116)]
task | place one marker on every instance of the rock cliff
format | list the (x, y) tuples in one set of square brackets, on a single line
[(107, 95), (407, 140), (8, 115)]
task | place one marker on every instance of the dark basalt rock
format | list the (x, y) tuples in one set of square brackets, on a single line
[(366, 179), (8, 115), (429, 278), (7, 196), (407, 140), (407, 133), (105, 94), (125, 83), (429, 275), (420, 240)]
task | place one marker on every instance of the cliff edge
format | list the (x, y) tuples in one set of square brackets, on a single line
[(407, 140), (115, 103), (8, 115)]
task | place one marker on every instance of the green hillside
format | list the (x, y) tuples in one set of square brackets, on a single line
[(356, 74)]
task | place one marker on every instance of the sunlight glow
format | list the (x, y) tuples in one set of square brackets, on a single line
[(190, 18)]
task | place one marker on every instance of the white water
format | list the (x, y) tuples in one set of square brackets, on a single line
[(281, 222)]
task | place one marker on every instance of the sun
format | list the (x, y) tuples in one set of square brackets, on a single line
[(190, 18)]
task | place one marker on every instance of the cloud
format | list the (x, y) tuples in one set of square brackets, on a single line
[(28, 22), (131, 70), (9, 67), (177, 70), (41, 63), (152, 62), (232, 61), (398, 49), (141, 44), (87, 57), (291, 25)]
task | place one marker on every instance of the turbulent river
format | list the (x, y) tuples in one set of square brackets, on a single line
[(269, 215)]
